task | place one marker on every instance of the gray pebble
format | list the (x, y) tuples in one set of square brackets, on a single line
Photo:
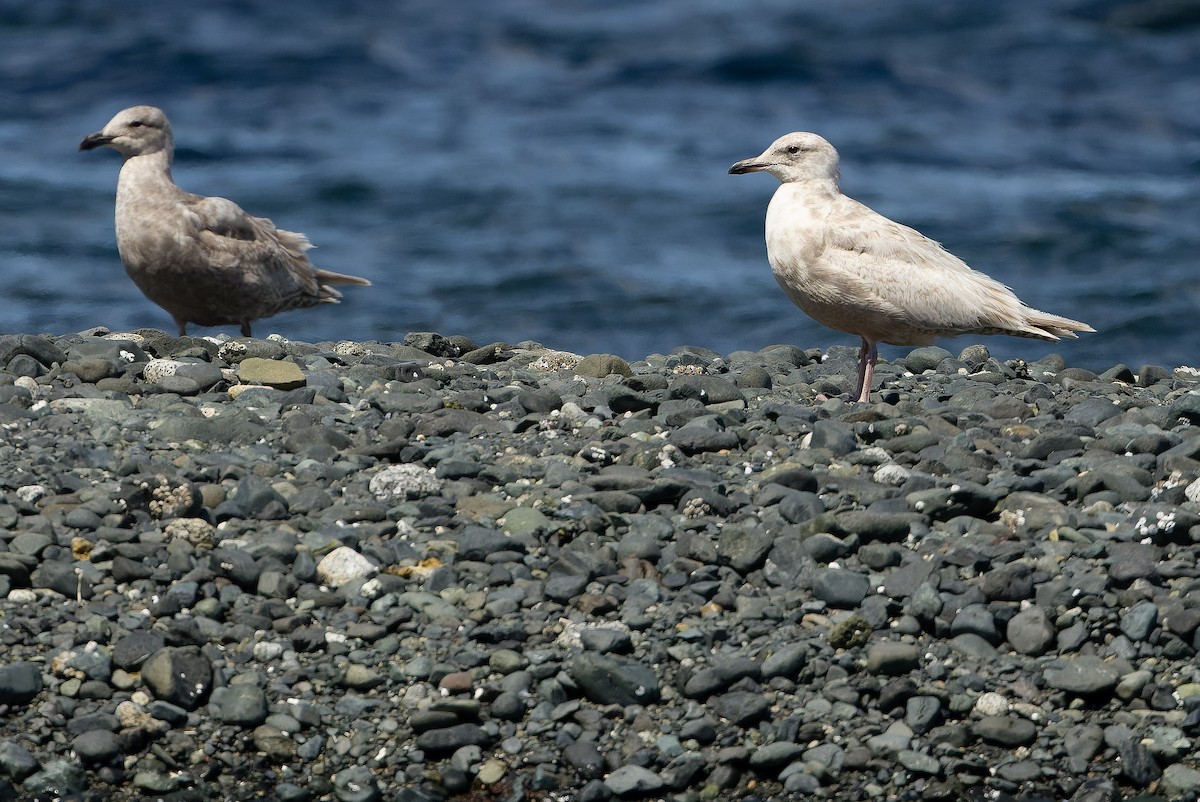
[(96, 746), (614, 680), (356, 784), (841, 588), (1005, 730), (20, 682), (1083, 675), (1030, 631), (633, 780), (179, 675), (892, 657), (243, 704)]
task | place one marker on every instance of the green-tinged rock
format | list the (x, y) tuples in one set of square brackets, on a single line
[(851, 631), (282, 374), (526, 522), (601, 365)]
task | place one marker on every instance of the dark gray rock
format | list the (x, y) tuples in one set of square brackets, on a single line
[(356, 784), (243, 704), (613, 680), (1082, 743), (872, 526), (976, 619), (696, 439), (447, 739), (1030, 632), (585, 758), (921, 713), (833, 436), (633, 780), (1137, 763), (926, 358), (741, 707), (1006, 731), (478, 542), (179, 675), (16, 761), (705, 389), (57, 779), (1082, 675), (785, 661), (20, 683), (96, 746), (841, 588), (775, 755), (74, 581), (1138, 622), (744, 548)]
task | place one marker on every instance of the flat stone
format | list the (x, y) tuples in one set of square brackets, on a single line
[(1005, 730), (606, 679), (282, 374), (633, 780), (1083, 675)]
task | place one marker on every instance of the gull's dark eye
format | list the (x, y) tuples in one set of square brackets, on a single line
[(136, 124), (794, 149)]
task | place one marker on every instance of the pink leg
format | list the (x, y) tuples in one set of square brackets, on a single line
[(867, 356)]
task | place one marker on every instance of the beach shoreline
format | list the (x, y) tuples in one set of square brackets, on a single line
[(442, 569)]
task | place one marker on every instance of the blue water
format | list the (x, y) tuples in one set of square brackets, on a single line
[(555, 170)]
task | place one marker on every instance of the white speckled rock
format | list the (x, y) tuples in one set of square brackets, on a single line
[(404, 481), (158, 369)]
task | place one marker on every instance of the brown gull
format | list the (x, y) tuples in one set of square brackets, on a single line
[(854, 270), (204, 260)]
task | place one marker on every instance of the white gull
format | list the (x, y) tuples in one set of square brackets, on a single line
[(856, 271)]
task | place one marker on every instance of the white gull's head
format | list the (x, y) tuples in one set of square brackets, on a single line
[(794, 157), (135, 131)]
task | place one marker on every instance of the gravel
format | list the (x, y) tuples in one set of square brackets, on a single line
[(442, 570)]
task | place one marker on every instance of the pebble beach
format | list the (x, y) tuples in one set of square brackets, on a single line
[(443, 570)]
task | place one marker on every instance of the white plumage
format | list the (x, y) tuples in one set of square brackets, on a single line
[(855, 270)]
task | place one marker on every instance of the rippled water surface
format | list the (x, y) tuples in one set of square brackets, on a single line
[(556, 170)]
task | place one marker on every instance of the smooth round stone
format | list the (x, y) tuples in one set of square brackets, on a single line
[(361, 678), (1005, 730), (96, 746), (841, 588)]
